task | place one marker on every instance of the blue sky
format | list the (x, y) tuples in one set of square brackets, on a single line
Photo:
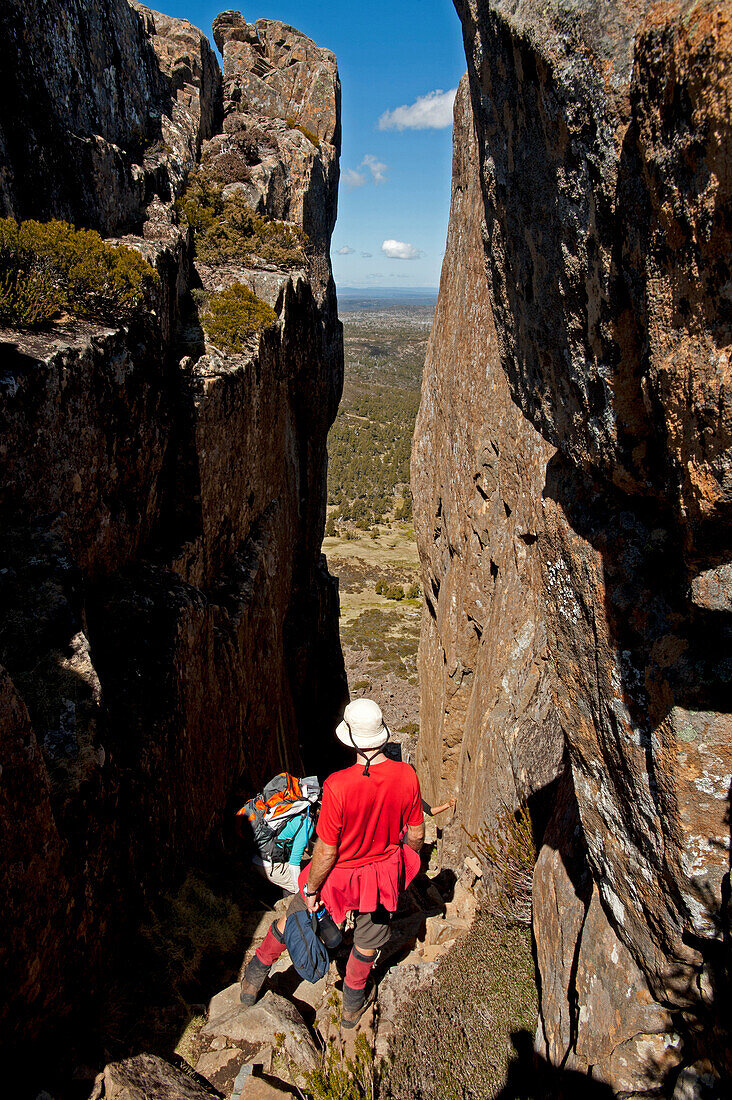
[(395, 182)]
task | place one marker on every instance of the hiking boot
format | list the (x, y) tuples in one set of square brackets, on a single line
[(254, 978), (355, 1003)]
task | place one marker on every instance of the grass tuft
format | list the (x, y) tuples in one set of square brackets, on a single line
[(338, 1077), (507, 851), (312, 137)]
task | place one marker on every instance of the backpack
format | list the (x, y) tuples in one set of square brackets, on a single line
[(308, 952), (283, 798)]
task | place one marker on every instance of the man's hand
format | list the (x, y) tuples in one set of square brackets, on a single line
[(322, 863), (415, 836), (312, 901)]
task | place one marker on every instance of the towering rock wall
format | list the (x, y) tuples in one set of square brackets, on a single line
[(489, 728), (169, 627), (574, 522)]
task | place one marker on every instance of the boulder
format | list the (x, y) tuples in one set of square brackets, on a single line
[(275, 72), (488, 727), (30, 875), (149, 1077), (82, 144), (263, 1088), (271, 1033), (167, 612), (401, 983), (396, 989), (571, 472)]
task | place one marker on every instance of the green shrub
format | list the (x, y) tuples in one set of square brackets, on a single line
[(413, 592), (47, 268), (189, 925), (330, 528), (404, 511), (312, 138), (507, 850), (394, 592), (27, 298), (202, 204), (234, 315), (226, 228)]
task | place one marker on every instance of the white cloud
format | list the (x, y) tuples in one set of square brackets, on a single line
[(367, 255), (352, 179), (429, 112), (400, 250), (375, 167), (345, 251), (371, 167)]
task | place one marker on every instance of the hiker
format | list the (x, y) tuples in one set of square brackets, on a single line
[(359, 862), (433, 811), (281, 822), (394, 752)]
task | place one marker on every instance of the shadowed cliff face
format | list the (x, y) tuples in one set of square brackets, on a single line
[(95, 119), (578, 580), (169, 627)]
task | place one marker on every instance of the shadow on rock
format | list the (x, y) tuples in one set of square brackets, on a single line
[(700, 1015), (532, 1077)]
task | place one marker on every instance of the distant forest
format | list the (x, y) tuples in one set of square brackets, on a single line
[(370, 443)]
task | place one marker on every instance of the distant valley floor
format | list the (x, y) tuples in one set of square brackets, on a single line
[(369, 540)]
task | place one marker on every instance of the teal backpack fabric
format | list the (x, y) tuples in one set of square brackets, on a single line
[(308, 952)]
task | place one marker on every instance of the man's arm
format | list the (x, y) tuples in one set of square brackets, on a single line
[(415, 836), (323, 862)]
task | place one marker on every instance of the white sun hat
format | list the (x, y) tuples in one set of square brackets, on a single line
[(363, 725)]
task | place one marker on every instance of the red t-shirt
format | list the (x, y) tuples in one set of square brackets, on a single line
[(364, 815)]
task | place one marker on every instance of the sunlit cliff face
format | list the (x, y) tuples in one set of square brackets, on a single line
[(570, 470)]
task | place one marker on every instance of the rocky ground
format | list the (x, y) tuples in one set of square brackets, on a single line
[(288, 1044)]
